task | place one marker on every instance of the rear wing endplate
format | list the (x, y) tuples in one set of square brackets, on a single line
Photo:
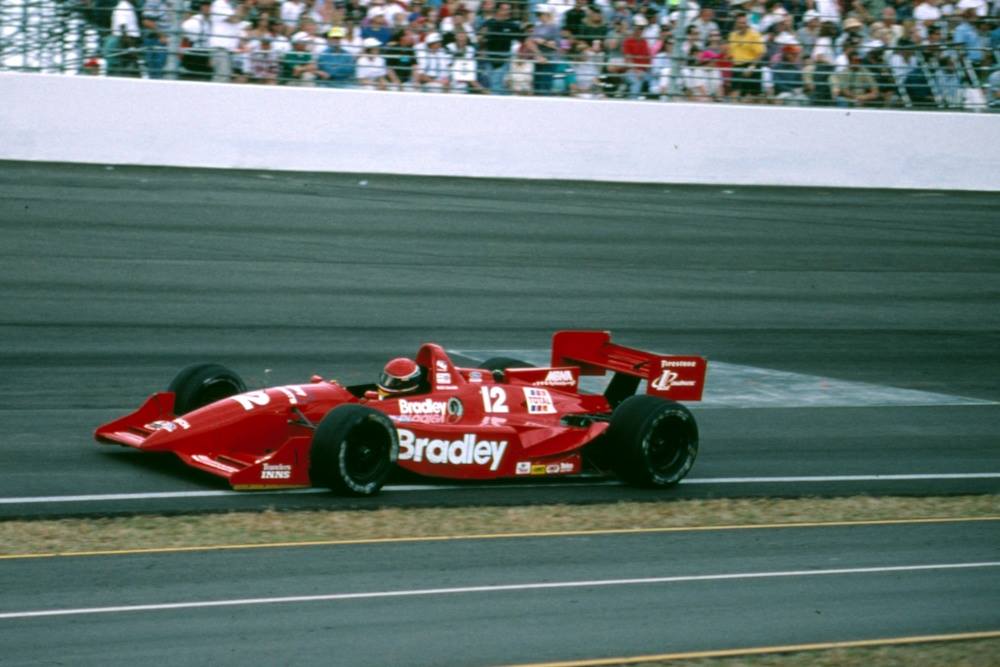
[(679, 378)]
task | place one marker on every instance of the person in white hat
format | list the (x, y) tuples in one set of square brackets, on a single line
[(370, 67), (433, 70)]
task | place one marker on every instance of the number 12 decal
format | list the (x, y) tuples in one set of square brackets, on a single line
[(494, 399)]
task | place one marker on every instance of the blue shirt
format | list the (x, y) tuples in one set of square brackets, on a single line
[(339, 64), (967, 35)]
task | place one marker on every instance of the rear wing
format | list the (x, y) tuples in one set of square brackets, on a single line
[(679, 378)]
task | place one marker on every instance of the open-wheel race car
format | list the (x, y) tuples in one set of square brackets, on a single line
[(503, 419)]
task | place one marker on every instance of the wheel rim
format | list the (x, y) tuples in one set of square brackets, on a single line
[(667, 446), (366, 454)]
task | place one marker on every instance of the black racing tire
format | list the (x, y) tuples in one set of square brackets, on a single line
[(353, 450), (654, 441), (503, 363), (200, 384)]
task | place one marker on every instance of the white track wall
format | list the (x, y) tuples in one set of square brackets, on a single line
[(140, 122)]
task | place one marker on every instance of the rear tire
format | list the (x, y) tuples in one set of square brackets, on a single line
[(198, 385), (654, 441), (353, 450)]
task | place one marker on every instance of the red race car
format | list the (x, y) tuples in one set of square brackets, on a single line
[(504, 419)]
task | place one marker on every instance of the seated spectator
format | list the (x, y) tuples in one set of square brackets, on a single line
[(662, 71), (377, 28), (746, 48), (993, 90), (298, 66), (614, 81), (875, 62), (464, 77), (262, 62), (786, 76), (335, 66), (855, 86), (401, 57), (521, 80), (587, 64), (370, 68), (638, 58), (433, 65)]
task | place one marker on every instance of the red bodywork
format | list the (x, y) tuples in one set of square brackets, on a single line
[(469, 425)]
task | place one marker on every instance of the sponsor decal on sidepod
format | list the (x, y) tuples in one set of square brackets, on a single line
[(466, 451)]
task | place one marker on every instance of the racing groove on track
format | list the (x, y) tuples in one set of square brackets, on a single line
[(113, 279)]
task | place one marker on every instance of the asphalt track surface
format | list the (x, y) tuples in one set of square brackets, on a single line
[(503, 601), (114, 278)]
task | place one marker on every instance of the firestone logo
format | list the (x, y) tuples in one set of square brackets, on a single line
[(669, 379), (466, 451)]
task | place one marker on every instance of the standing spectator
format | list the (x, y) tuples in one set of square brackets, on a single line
[(335, 66), (121, 47), (968, 38), (746, 48), (823, 50), (156, 26), (829, 11), (853, 32), (575, 17), (593, 26), (546, 38), (809, 32), (371, 69), (298, 66), (638, 58), (433, 65), (890, 22), (196, 59), (499, 33), (228, 25), (292, 12), (464, 76), (705, 25), (855, 86)]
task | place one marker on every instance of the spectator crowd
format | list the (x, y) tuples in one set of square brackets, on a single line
[(851, 53)]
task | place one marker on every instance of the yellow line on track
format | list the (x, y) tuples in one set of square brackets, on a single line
[(762, 650), (493, 536)]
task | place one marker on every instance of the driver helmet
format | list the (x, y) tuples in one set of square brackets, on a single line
[(400, 376)]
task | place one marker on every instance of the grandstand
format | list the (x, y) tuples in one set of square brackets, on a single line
[(874, 54)]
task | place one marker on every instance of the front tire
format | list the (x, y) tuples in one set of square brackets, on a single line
[(353, 450), (654, 441), (198, 385)]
